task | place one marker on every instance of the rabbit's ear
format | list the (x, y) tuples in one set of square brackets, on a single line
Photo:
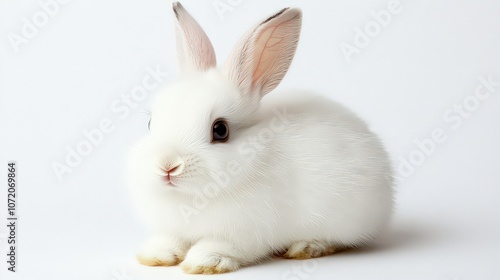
[(194, 49), (262, 57)]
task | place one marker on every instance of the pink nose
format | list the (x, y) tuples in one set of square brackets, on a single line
[(174, 170)]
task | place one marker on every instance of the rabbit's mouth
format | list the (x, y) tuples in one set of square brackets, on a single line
[(170, 184), (169, 181)]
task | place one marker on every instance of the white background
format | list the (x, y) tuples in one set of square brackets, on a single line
[(430, 56)]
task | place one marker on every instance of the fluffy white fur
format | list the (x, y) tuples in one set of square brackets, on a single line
[(299, 174)]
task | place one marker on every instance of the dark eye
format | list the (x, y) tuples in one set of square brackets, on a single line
[(220, 131), (149, 124)]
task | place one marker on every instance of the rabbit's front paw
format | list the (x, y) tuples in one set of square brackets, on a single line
[(162, 252), (209, 263), (159, 258)]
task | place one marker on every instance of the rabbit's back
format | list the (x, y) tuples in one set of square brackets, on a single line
[(336, 168)]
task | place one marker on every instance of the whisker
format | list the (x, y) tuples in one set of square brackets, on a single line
[(145, 111), (162, 164), (161, 175), (136, 147), (160, 167)]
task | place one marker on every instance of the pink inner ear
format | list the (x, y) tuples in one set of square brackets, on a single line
[(265, 46), (274, 49), (194, 49), (264, 56)]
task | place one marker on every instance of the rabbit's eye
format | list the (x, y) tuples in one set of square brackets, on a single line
[(220, 131)]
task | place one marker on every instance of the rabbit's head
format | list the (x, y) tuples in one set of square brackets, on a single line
[(200, 122)]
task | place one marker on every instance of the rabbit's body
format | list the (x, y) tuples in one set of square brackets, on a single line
[(295, 173)]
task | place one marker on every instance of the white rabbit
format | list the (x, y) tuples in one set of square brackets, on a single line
[(225, 179)]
